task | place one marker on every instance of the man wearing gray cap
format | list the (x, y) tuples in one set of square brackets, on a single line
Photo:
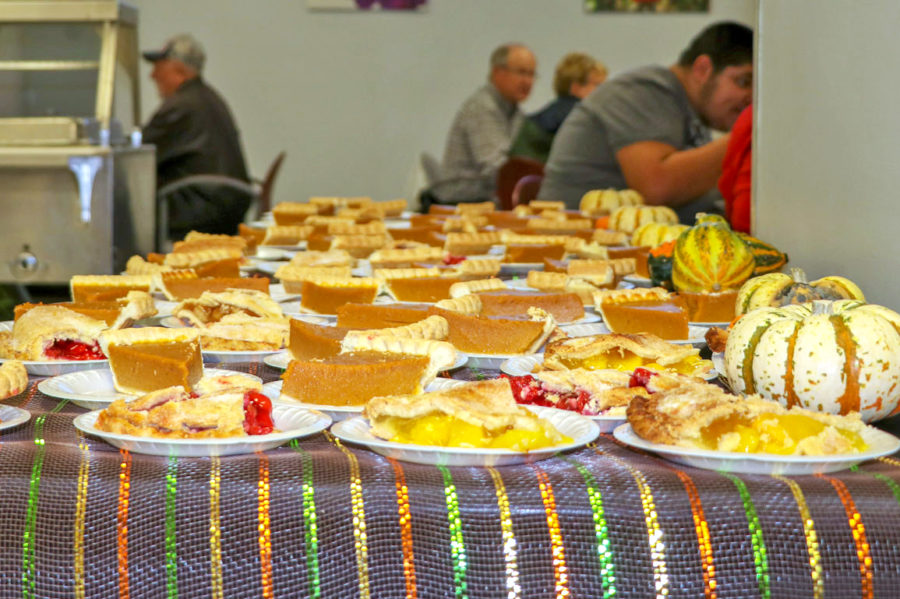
[(194, 134)]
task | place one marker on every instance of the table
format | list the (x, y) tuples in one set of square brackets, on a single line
[(321, 519)]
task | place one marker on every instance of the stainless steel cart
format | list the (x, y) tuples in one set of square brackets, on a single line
[(77, 189)]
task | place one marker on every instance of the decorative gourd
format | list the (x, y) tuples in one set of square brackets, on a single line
[(629, 218), (778, 289), (710, 257), (653, 234), (768, 258), (598, 202), (659, 263), (833, 356)]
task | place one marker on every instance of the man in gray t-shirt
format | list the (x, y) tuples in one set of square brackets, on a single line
[(648, 129)]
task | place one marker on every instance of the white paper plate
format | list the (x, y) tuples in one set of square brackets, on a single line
[(582, 430), (11, 416), (520, 268), (164, 307), (262, 266), (637, 280), (695, 334), (493, 361), (282, 358), (277, 293), (228, 357), (93, 389), (880, 444), (55, 367), (707, 325), (273, 391), (519, 365), (301, 245), (268, 252), (292, 422)]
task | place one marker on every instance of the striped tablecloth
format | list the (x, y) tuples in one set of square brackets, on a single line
[(316, 518)]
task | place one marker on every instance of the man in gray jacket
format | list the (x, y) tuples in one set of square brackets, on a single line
[(649, 129)]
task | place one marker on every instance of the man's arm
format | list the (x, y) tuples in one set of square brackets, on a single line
[(664, 175)]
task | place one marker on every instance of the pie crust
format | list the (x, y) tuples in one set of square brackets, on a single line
[(467, 244), (286, 234), (212, 307), (556, 226), (193, 243), (174, 413), (329, 258), (467, 304), (619, 348), (433, 328), (13, 378), (99, 288), (292, 276), (488, 406), (359, 246), (351, 228), (389, 258), (475, 208), (604, 237), (239, 332), (199, 257), (620, 267), (464, 224), (704, 416), (588, 392), (292, 213), (477, 286), (479, 267), (40, 328), (391, 208), (136, 265)]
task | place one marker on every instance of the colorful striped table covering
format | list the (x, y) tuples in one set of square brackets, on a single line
[(320, 519)]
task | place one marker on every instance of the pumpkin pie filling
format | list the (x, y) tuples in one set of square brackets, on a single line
[(533, 253), (151, 358), (380, 316), (309, 341), (326, 296), (421, 289), (188, 288), (493, 334), (565, 307), (352, 379), (710, 307), (662, 318)]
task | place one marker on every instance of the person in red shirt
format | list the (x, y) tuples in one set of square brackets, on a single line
[(735, 180)]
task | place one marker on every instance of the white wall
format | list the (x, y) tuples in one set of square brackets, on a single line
[(354, 98), (827, 139)]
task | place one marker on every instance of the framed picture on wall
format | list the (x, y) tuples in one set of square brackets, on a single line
[(356, 5), (650, 6)]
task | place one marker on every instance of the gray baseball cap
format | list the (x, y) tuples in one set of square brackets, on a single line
[(183, 48)]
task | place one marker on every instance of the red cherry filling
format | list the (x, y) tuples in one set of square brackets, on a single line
[(529, 391), (67, 349), (257, 414), (451, 259), (640, 377)]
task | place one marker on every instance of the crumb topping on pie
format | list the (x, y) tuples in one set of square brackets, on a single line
[(623, 352), (13, 378), (212, 307)]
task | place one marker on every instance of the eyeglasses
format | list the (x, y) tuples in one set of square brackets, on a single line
[(521, 72)]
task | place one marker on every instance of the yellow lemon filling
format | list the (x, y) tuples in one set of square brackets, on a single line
[(446, 431), (783, 434), (628, 361)]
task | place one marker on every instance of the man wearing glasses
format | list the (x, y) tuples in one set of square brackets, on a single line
[(485, 126)]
